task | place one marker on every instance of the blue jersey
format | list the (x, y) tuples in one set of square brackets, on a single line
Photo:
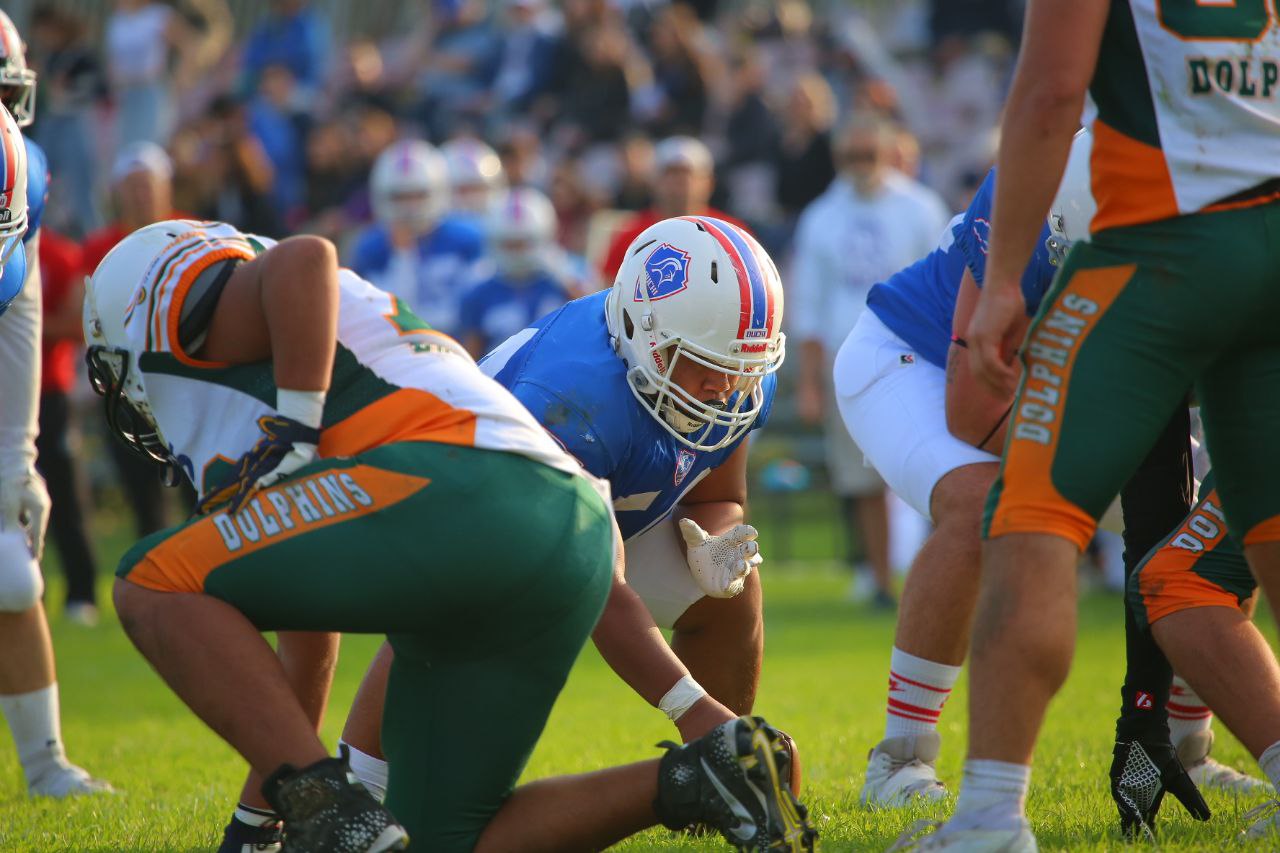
[(565, 372), (432, 279), (15, 269), (498, 307), (918, 303)]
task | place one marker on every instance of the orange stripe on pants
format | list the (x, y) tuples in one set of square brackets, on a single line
[(1167, 581)]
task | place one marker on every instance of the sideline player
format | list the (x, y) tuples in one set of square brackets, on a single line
[(28, 681), (654, 386), (1121, 338), (316, 415), (931, 435), (417, 249)]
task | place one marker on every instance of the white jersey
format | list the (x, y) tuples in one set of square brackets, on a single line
[(1188, 98), (394, 379)]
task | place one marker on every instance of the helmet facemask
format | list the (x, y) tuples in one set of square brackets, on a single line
[(130, 420)]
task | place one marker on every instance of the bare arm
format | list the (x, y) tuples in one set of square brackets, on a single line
[(283, 305), (718, 502), (975, 413), (1059, 51)]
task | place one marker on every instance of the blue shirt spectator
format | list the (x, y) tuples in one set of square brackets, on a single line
[(294, 36)]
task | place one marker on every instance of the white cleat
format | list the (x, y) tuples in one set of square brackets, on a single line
[(1211, 775), (67, 780), (1266, 822), (970, 840), (901, 769)]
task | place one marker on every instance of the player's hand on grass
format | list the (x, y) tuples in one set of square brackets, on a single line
[(993, 336), (1141, 772), (24, 505), (286, 445), (720, 564)]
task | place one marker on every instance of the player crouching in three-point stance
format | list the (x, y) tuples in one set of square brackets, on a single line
[(654, 385), (352, 465), (1176, 289)]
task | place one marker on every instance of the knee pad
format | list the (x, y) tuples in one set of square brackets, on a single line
[(21, 583)]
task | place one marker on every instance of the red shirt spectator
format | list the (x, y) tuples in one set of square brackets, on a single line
[(62, 286), (633, 227)]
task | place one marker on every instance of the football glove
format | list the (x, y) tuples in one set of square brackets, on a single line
[(286, 445), (1141, 773), (24, 505), (720, 564)]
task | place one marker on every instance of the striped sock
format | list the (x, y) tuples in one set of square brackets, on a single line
[(918, 689), (1187, 712)]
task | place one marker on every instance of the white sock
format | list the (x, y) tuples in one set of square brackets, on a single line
[(918, 689), (37, 733), (1269, 761), (372, 772), (992, 794), (254, 816), (1187, 712)]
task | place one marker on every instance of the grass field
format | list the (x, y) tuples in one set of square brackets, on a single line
[(823, 681)]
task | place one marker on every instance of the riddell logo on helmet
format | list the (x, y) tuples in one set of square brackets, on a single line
[(666, 273), (753, 348)]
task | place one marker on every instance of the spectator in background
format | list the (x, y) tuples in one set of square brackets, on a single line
[(682, 186), (635, 183), (596, 73), (232, 173), (293, 35), (684, 72), (415, 250), (804, 166), (574, 204), (62, 282), (525, 276), (334, 178), (456, 61), (751, 130), (141, 193), (871, 222), (520, 149), (526, 56), (71, 83), (281, 127)]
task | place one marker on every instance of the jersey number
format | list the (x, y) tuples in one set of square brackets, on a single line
[(1242, 20)]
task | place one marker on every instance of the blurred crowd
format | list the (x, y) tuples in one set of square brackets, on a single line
[(486, 160)]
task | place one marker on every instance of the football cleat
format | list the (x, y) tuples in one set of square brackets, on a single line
[(1266, 822), (900, 769), (736, 780), (969, 840), (1211, 775), (64, 779), (240, 837), (326, 810)]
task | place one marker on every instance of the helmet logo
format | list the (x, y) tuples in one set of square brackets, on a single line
[(666, 273), (684, 464), (982, 231)]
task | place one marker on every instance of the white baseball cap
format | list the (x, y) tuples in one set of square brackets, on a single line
[(141, 157), (683, 151)]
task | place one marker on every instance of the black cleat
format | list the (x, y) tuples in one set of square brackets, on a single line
[(736, 779), (240, 837), (326, 810)]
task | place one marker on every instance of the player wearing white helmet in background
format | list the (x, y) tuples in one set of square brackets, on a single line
[(654, 385), (526, 276), (416, 249), (476, 177), (28, 685)]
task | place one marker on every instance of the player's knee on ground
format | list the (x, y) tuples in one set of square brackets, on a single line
[(21, 584)]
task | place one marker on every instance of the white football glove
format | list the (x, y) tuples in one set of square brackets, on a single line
[(720, 564), (24, 505)]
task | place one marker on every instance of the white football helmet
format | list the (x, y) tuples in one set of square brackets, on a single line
[(475, 174), (700, 289), (409, 186), (109, 297), (17, 81), (521, 229), (1073, 207), (13, 186)]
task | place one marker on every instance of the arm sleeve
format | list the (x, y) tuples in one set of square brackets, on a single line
[(20, 329), (568, 425)]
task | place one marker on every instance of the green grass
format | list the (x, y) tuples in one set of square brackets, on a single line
[(824, 680)]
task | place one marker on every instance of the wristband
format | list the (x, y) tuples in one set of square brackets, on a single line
[(305, 407), (679, 699)]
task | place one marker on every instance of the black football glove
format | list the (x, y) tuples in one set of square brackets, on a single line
[(286, 445), (1141, 773)]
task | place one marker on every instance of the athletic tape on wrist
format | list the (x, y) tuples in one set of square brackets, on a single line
[(679, 699), (305, 407)]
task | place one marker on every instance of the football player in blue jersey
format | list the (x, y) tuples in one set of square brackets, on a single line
[(935, 436), (654, 385), (416, 249), (28, 685), (527, 277)]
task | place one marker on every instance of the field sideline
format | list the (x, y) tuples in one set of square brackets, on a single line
[(823, 681)]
